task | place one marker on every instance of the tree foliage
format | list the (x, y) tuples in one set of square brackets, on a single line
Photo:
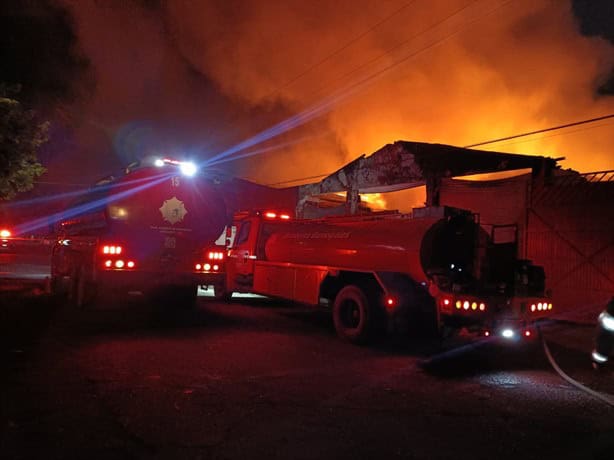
[(21, 136)]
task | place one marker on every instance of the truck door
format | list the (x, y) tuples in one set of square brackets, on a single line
[(242, 256)]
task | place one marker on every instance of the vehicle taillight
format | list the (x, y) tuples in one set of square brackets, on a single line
[(466, 304), (215, 255), (5, 233), (541, 306), (112, 249), (390, 302), (112, 259)]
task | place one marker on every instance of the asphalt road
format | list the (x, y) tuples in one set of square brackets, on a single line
[(258, 379)]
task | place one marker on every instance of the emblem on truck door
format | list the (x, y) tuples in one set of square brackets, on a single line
[(173, 210)]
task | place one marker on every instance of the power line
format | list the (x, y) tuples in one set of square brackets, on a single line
[(339, 50), (343, 93), (553, 128), (539, 131)]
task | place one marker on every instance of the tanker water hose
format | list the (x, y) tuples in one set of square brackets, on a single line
[(608, 399)]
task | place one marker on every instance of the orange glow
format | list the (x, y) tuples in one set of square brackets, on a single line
[(374, 200)]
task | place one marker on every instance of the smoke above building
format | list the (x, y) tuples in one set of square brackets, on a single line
[(297, 89)]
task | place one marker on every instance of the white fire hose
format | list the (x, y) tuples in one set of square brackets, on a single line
[(608, 399)]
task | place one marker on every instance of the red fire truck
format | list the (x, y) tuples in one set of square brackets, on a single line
[(144, 231), (436, 267)]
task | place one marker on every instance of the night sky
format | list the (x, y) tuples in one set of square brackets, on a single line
[(121, 80)]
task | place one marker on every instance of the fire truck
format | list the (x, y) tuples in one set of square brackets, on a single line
[(143, 231), (435, 268)]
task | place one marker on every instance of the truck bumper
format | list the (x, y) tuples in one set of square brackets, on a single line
[(145, 281)]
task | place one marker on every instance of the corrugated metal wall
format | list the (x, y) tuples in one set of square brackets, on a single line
[(565, 225), (571, 233)]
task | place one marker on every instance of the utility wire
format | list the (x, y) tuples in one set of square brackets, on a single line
[(539, 131), (346, 91), (339, 50), (553, 128)]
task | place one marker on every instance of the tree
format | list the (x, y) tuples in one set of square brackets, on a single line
[(21, 136)]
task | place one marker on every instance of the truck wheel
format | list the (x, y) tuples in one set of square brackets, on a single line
[(352, 315), (220, 293), (83, 290), (184, 296)]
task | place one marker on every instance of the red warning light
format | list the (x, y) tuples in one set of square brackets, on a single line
[(390, 302)]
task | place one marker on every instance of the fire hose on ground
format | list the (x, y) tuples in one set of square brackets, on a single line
[(608, 399)]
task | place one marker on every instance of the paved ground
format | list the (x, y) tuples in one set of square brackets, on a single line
[(256, 379)]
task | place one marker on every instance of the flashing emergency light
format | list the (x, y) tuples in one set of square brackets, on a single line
[(507, 333), (188, 168), (5, 233)]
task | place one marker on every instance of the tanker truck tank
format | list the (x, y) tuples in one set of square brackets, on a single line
[(442, 249)]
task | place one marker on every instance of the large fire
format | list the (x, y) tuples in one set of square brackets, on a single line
[(455, 72)]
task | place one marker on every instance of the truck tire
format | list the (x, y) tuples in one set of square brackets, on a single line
[(83, 289), (220, 293), (184, 297), (352, 315)]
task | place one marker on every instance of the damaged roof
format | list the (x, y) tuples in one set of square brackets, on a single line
[(405, 164)]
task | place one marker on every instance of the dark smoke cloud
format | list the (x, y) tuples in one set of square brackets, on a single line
[(39, 52), (596, 18), (196, 77)]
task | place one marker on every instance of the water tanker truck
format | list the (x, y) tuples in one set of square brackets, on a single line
[(141, 232), (436, 268)]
